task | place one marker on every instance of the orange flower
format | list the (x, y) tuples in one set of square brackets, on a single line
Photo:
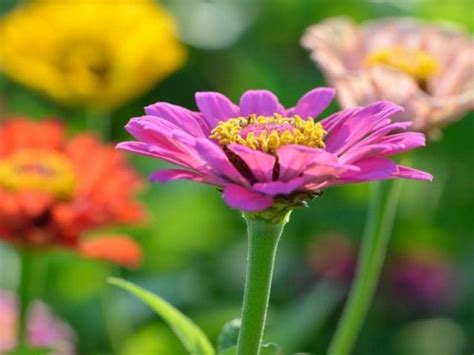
[(53, 190)]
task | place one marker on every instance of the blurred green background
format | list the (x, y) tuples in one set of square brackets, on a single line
[(195, 247)]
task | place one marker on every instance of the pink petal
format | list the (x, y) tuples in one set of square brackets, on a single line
[(218, 161), (166, 175), (294, 159), (371, 169), (338, 118), (216, 107), (154, 151), (189, 121), (314, 102), (155, 130), (410, 173), (165, 137), (261, 164), (259, 102), (366, 151), (359, 125), (244, 199), (274, 188)]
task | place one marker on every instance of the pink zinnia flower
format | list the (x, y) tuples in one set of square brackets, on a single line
[(263, 155), (426, 68)]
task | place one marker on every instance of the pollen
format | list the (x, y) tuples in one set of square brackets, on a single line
[(268, 133), (38, 171), (415, 62)]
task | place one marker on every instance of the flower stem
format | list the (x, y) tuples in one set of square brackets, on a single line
[(32, 275), (382, 210), (24, 294), (263, 242)]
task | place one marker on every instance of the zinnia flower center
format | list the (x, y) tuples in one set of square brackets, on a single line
[(38, 170), (268, 133), (415, 62)]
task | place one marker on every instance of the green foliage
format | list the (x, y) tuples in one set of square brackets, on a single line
[(189, 333), (30, 351), (229, 335)]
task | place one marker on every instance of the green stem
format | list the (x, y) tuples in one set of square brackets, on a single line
[(33, 272), (382, 211), (263, 242), (24, 294)]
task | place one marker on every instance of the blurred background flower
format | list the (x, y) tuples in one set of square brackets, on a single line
[(90, 53), (427, 68), (45, 329), (54, 189)]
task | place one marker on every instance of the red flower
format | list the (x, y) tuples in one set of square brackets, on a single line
[(53, 190)]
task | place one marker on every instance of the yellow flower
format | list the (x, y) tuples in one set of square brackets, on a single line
[(92, 53)]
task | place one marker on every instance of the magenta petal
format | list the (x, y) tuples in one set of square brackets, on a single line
[(294, 159), (314, 102), (244, 199), (364, 152), (166, 175), (259, 102), (370, 169), (279, 187), (359, 125), (261, 164), (190, 121), (218, 161), (153, 151), (216, 107), (410, 173)]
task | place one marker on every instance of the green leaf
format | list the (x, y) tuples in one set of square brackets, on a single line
[(229, 335), (265, 349), (229, 351), (192, 337)]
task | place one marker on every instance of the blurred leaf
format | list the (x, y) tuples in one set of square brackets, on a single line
[(151, 340), (30, 351), (303, 319), (229, 335), (266, 349), (191, 336), (230, 351), (270, 349)]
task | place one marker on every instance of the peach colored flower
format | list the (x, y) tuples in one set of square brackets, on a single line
[(426, 68)]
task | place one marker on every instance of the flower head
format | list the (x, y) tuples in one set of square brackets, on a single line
[(94, 53), (53, 190), (423, 280), (266, 157), (44, 329), (426, 68)]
